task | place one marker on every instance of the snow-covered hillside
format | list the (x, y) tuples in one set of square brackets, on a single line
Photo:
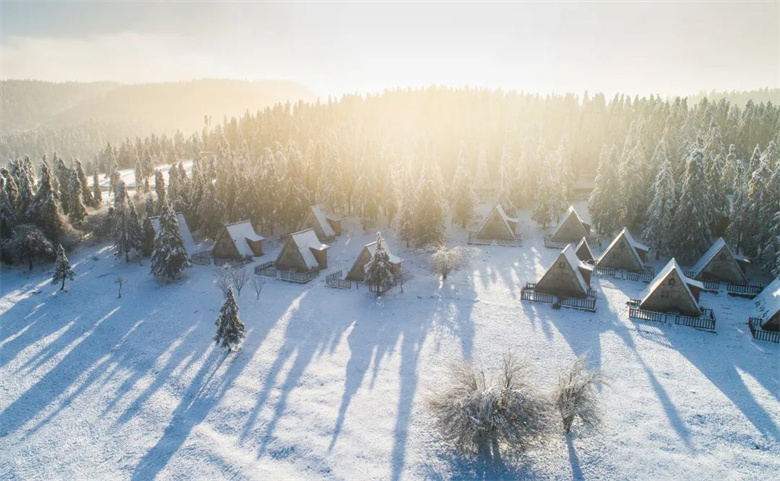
[(332, 384)]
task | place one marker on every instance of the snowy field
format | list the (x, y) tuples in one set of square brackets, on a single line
[(332, 384)]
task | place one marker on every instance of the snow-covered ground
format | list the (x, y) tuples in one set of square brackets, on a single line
[(332, 384)]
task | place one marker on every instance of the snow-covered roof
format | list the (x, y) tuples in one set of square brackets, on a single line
[(708, 256), (240, 233), (576, 264), (184, 230), (584, 244), (632, 244), (322, 220), (767, 303), (659, 279), (570, 212), (504, 217), (372, 250), (305, 241)]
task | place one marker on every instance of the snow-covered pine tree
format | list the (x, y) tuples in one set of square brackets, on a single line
[(738, 218), (550, 197), (767, 211), (173, 183), (169, 257), (147, 245), (97, 195), (44, 211), (604, 202), (62, 269), (159, 189), (7, 213), (230, 329), (776, 230), (379, 271), (77, 211), (429, 213), (730, 168), (128, 233), (660, 215), (61, 180), (462, 197), (86, 194), (406, 216), (757, 187), (692, 228), (633, 186)]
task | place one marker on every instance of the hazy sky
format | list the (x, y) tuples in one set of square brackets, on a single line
[(667, 48)]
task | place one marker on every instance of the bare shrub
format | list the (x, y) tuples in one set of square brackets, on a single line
[(257, 285), (223, 280), (120, 281), (446, 261), (477, 415), (576, 396), (239, 276)]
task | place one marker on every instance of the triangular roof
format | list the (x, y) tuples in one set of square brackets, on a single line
[(571, 216), (305, 241), (672, 268), (184, 231), (392, 257), (508, 221), (711, 254), (583, 251), (767, 303), (240, 233), (567, 255), (634, 246), (322, 219)]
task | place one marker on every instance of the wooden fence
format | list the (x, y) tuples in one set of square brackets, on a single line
[(298, 277), (379, 288), (608, 272), (551, 244), (478, 241), (202, 258), (646, 276), (760, 334), (267, 269), (336, 281), (744, 290), (233, 262), (705, 322), (528, 293)]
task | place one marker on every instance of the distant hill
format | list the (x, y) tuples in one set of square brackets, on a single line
[(162, 107)]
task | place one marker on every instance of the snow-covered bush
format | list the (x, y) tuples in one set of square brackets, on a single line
[(27, 244), (576, 395), (477, 415), (446, 261)]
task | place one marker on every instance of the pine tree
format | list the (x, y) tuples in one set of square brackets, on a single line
[(740, 208), (97, 195), (604, 203), (406, 217), (462, 197), (429, 213), (633, 186), (75, 195), (159, 188), (60, 182), (7, 213), (230, 329), (44, 211), (691, 224), (62, 269), (379, 271), (660, 215), (128, 233), (776, 230), (757, 187), (766, 239), (86, 194), (147, 245), (28, 243), (550, 198), (169, 257)]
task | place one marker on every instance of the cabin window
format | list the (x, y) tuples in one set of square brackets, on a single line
[(672, 281)]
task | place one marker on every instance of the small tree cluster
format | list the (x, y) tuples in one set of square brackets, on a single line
[(448, 260), (231, 277)]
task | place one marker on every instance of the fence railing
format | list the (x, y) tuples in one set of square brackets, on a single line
[(267, 269), (232, 262), (706, 321), (336, 281), (298, 277), (516, 242), (551, 244), (478, 241), (608, 272), (744, 290), (634, 312), (202, 258), (711, 286), (645, 276), (379, 288), (528, 293), (754, 323)]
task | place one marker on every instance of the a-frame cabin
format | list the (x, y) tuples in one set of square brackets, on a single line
[(672, 291), (571, 228), (238, 241), (624, 253), (766, 307), (583, 252), (568, 276), (358, 270), (327, 227), (303, 252), (719, 263), (498, 225)]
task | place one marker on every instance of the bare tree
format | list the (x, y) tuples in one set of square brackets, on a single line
[(446, 261), (477, 415), (239, 276), (120, 281), (257, 285), (223, 280), (403, 276), (576, 395)]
